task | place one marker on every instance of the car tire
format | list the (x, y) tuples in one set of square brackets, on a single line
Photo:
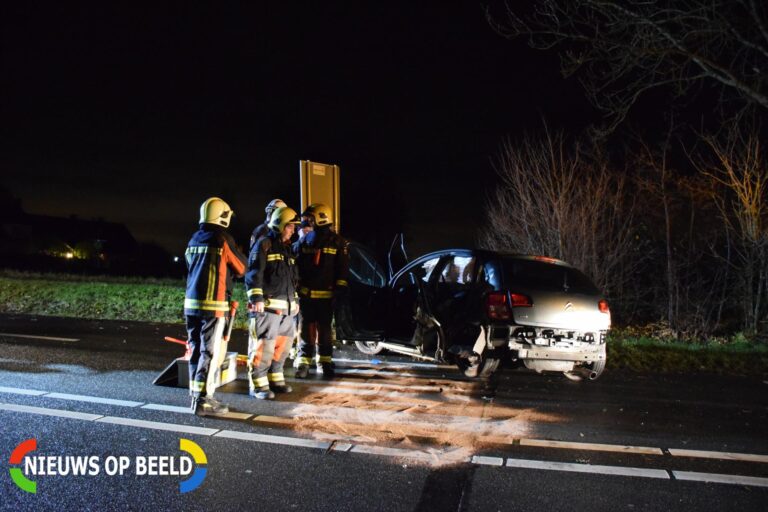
[(370, 348), (489, 367)]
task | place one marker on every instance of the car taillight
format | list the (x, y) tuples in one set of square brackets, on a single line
[(603, 305), (497, 307), (520, 300)]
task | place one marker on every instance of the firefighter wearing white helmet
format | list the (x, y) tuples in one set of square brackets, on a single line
[(210, 253), (262, 228), (323, 262), (270, 284)]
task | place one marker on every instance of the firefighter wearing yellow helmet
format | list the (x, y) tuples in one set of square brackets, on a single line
[(262, 228), (323, 261), (212, 260), (270, 284)]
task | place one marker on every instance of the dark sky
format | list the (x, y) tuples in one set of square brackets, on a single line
[(137, 114)]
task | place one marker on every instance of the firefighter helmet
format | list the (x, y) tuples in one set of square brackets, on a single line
[(281, 217), (216, 211), (322, 214), (274, 205)]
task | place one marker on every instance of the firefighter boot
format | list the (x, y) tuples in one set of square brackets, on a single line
[(206, 406), (302, 371), (263, 393), (328, 370), (280, 387)]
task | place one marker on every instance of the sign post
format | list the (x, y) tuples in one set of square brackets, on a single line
[(320, 184)]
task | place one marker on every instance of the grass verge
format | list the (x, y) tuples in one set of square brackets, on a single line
[(100, 298), (162, 301)]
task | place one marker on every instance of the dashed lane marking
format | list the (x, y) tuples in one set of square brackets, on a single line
[(264, 438), (31, 337), (19, 391), (487, 461), (49, 412), (721, 479), (587, 468), (94, 399), (157, 425), (393, 452), (749, 457), (543, 443), (167, 408), (427, 456)]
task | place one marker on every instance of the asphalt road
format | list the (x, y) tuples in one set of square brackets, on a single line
[(385, 435)]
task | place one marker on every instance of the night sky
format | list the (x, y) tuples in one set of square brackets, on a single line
[(137, 114)]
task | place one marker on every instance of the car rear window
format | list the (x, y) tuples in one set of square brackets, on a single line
[(545, 276)]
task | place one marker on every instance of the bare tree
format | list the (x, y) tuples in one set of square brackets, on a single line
[(553, 199), (695, 283), (623, 49), (741, 174)]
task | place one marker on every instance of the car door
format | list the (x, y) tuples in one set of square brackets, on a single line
[(361, 314), (406, 288)]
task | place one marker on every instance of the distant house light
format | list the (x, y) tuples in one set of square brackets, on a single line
[(69, 255), (175, 259)]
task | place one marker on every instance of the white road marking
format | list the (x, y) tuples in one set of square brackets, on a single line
[(749, 457), (721, 479), (94, 399), (49, 412), (32, 337), (587, 468), (391, 452), (543, 443), (167, 408), (488, 461), (263, 438), (342, 447), (156, 425), (20, 391)]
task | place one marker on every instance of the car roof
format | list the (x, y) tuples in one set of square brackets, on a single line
[(485, 254)]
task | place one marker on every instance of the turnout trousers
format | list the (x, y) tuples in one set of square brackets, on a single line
[(317, 315), (204, 335), (269, 342)]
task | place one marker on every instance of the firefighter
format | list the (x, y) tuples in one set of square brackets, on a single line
[(270, 283), (323, 261), (263, 228), (212, 260)]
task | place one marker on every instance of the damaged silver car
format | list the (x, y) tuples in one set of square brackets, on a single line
[(478, 309)]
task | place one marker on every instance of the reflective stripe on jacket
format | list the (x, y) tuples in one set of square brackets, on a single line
[(271, 276), (212, 260), (323, 262)]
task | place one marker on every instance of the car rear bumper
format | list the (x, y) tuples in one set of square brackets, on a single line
[(596, 353)]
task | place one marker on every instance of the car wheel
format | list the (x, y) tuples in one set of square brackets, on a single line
[(489, 367), (370, 348), (483, 369)]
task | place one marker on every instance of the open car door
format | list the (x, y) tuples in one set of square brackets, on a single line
[(360, 315)]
